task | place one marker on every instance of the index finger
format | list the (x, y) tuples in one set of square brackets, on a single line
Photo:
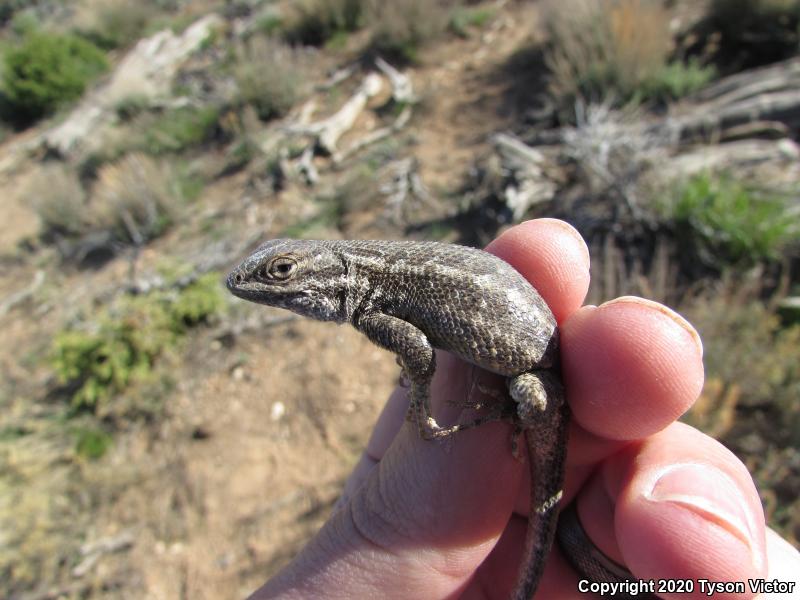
[(630, 367)]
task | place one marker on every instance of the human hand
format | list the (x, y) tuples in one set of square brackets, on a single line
[(440, 520)]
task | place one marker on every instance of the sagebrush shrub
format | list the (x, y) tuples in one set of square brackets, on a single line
[(59, 200), (270, 76), (603, 49), (136, 198)]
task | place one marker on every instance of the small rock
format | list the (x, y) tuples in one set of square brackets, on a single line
[(277, 411)]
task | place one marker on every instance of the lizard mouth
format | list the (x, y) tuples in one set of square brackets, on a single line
[(238, 285)]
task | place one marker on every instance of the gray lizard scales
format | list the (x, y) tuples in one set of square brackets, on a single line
[(412, 297)]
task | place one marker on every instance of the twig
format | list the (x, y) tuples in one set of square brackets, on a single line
[(375, 136), (402, 90), (338, 77), (328, 131), (21, 296), (94, 551)]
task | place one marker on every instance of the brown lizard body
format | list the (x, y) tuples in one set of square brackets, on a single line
[(412, 297)]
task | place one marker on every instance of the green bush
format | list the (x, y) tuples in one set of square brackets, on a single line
[(729, 223), (130, 107), (123, 351), (675, 80), (269, 23), (46, 71), (92, 443), (463, 19), (181, 129)]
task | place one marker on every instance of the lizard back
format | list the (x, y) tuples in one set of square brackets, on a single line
[(465, 300)]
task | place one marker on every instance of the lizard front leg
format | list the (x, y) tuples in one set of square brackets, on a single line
[(417, 358), (543, 414)]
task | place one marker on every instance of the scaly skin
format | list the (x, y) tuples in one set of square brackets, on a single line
[(412, 297)]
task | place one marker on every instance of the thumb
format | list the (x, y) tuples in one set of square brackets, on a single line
[(422, 520)]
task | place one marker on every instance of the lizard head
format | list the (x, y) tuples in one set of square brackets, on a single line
[(304, 276)]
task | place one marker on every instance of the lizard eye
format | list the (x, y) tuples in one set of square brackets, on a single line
[(282, 268)]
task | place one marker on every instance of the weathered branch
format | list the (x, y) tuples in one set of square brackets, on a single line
[(530, 174), (782, 106), (767, 94), (328, 131), (737, 157), (338, 77), (402, 89), (94, 551), (306, 168), (22, 295), (404, 188), (375, 136)]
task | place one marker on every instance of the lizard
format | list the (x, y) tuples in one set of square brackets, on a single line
[(411, 297)]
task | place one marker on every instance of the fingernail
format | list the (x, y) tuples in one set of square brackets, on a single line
[(664, 310), (710, 494)]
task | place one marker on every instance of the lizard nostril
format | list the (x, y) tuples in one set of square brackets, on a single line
[(235, 279)]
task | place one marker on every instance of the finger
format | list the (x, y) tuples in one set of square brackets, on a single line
[(386, 427), (552, 255), (630, 366), (678, 505), (784, 568)]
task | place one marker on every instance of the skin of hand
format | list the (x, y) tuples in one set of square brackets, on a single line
[(422, 519)]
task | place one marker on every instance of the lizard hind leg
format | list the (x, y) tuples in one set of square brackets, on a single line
[(543, 415)]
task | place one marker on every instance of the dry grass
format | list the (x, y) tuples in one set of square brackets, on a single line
[(59, 201), (613, 151), (317, 21), (115, 23), (136, 197), (132, 201), (599, 49), (271, 76), (401, 27), (750, 400)]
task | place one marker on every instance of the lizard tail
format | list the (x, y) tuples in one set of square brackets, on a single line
[(547, 447)]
